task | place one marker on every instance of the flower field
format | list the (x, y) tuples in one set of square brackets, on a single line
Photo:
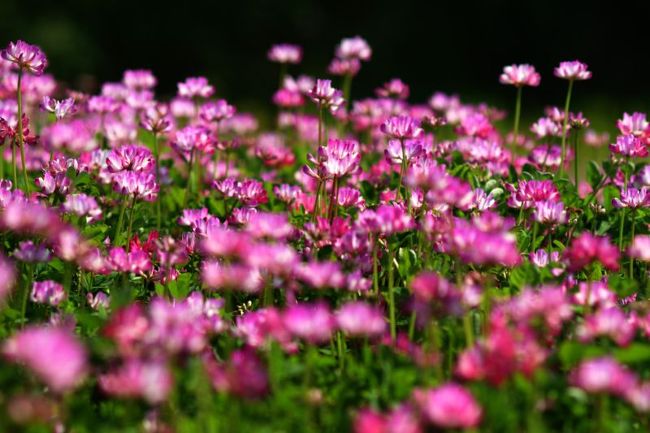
[(363, 263)]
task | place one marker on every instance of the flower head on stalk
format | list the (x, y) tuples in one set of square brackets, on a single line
[(354, 48), (340, 157), (326, 96), (572, 70), (156, 119), (195, 87), (139, 185), (449, 406), (60, 109), (401, 128), (47, 292), (342, 67), (520, 75), (285, 54), (139, 79), (550, 212), (395, 89), (216, 111), (632, 198), (588, 248), (634, 124), (25, 57), (9, 130), (193, 138), (629, 146)]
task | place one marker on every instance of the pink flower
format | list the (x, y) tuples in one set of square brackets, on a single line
[(611, 322), (216, 111), (193, 138), (640, 248), (342, 67), (25, 57), (61, 109), (549, 212), (354, 48), (156, 119), (285, 53), (411, 149), (7, 277), (83, 205), (138, 185), (243, 374), (326, 96), (311, 322), (401, 127), (572, 70), (632, 198), (520, 75), (139, 79), (51, 353), (394, 88), (529, 192), (195, 87), (448, 406), (633, 124), (150, 380), (47, 292), (360, 319), (340, 157), (588, 248), (603, 375), (629, 145)]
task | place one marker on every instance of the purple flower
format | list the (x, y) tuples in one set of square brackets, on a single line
[(640, 248), (629, 145), (139, 79), (549, 212), (396, 150), (83, 205), (520, 75), (130, 158), (53, 354), (449, 406), (340, 157), (572, 70), (29, 252), (603, 375), (359, 319), (401, 127), (156, 119), (632, 198), (216, 111), (98, 300), (47, 292), (285, 54), (61, 108), (326, 96), (394, 88), (312, 322), (25, 57), (354, 48), (136, 184), (195, 87), (633, 124)]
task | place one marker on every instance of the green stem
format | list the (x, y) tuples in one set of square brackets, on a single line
[(128, 233), (21, 138), (333, 199), (565, 122), (412, 321), (188, 186), (320, 124), (341, 350), (620, 230), (120, 222), (532, 243), (391, 294), (29, 276), (375, 267), (515, 135), (575, 158), (317, 201), (631, 274), (156, 153), (402, 169), (13, 165)]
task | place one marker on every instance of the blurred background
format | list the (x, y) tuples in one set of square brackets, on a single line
[(452, 46)]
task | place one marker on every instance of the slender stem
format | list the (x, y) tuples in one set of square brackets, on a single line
[(120, 222), (13, 164), (565, 122), (317, 201), (21, 138), (28, 284), (532, 243), (515, 134), (128, 233), (412, 321), (620, 229), (334, 198), (575, 158), (156, 153), (188, 187), (631, 274), (2, 163), (375, 267), (340, 349), (391, 294), (402, 169)]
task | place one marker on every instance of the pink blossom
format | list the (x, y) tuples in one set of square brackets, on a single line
[(520, 75), (449, 406)]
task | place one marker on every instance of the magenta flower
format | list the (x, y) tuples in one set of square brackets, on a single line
[(216, 111), (150, 380), (130, 158), (136, 184), (102, 105), (608, 322), (29, 252), (195, 87), (156, 119), (311, 322), (60, 109), (285, 54), (401, 127), (632, 198), (53, 354), (354, 48), (572, 70), (603, 375), (640, 248), (340, 157), (448, 406), (25, 57), (139, 79), (529, 192), (98, 300), (360, 319), (633, 124), (394, 88), (588, 248), (326, 96), (47, 292), (630, 146), (83, 205), (550, 212), (520, 75), (193, 138), (243, 374), (411, 149), (7, 277), (342, 67)]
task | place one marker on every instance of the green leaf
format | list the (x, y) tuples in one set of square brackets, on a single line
[(594, 177)]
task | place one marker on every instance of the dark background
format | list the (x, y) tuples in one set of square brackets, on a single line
[(452, 46)]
